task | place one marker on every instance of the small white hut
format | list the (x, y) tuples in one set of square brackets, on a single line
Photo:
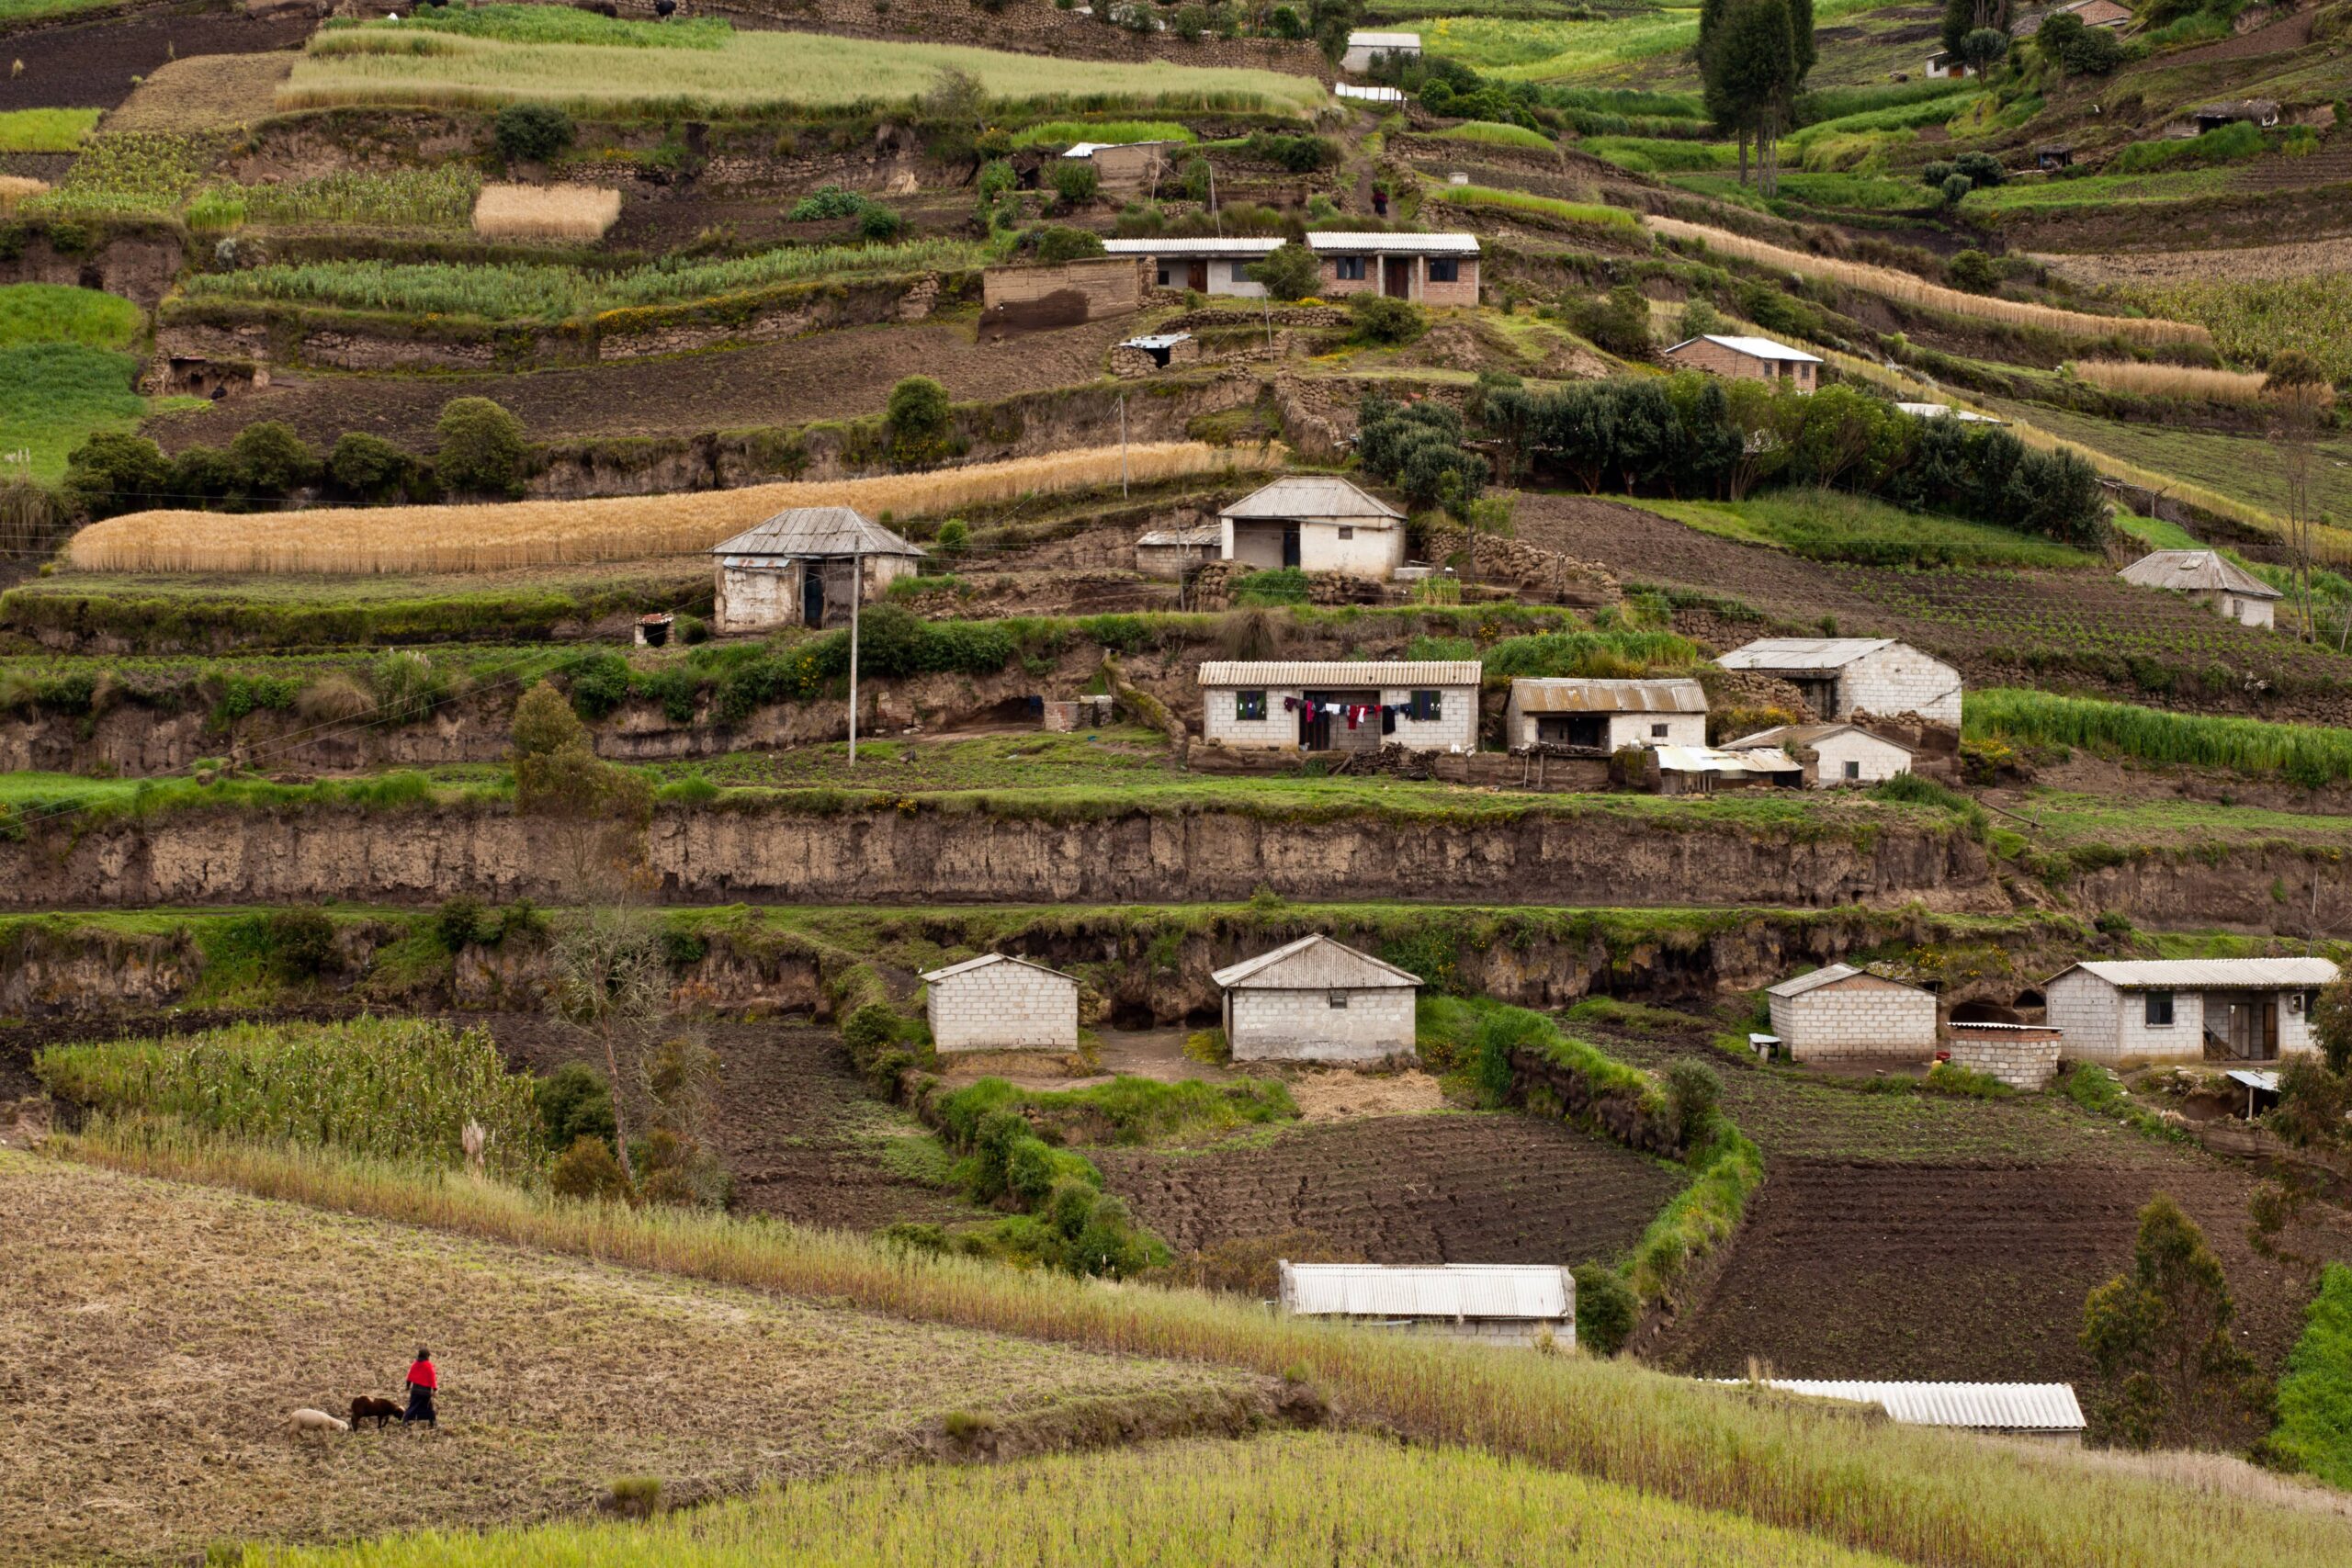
[(803, 565), (1317, 1000), (998, 1002), (1842, 1013), (1515, 1304)]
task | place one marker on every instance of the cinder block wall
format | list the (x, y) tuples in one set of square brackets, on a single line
[(1303, 1026), (1005, 1007), (2022, 1064), (1857, 1020), (1900, 680)]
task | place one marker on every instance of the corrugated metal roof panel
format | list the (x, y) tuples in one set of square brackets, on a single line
[(1313, 497), (1565, 694), (2210, 974), (1981, 1406), (1781, 736), (2196, 571), (1707, 760), (803, 531), (989, 960), (1803, 653), (1313, 963), (1384, 672), (1515, 1291), (1368, 95), (1384, 41), (1453, 245), (1237, 245), (1830, 976), (1206, 534), (1945, 411), (1754, 347)]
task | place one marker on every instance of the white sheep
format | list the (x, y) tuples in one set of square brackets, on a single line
[(308, 1420)]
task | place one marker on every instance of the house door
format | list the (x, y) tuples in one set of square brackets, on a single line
[(1573, 729), (1196, 277), (1321, 730), (1396, 276), (1290, 544), (812, 594)]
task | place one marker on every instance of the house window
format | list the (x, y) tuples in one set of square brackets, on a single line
[(2159, 1009), (1346, 533), (1249, 707), (1348, 269), (1657, 732), (1240, 272), (1338, 999), (1166, 277), (1426, 706), (1853, 771), (1445, 269)]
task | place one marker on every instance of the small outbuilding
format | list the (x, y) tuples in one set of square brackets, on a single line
[(1833, 754), (2045, 1410), (804, 567), (1708, 769), (1123, 168), (2187, 1009), (1317, 1000), (1842, 1013), (1842, 676), (1205, 265), (2210, 578), (1365, 49), (1334, 706), (1172, 552), (2053, 156), (1943, 64), (1605, 716), (2261, 112), (1515, 1304), (1316, 523), (998, 1002), (1745, 359)]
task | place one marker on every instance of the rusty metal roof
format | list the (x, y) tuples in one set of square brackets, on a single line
[(1980, 1407), (814, 531), (1311, 964), (2197, 571), (1568, 694), (1316, 497), (2208, 973), (1399, 672), (1523, 1292)]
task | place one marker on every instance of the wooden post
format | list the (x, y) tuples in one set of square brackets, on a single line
[(856, 593)]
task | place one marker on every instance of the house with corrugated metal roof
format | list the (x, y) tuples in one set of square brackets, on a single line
[(1318, 1001), (1280, 704), (804, 566), (1745, 359), (999, 1002), (1365, 48), (1172, 552), (2121, 1012), (1316, 523), (1841, 1014), (1516, 1305), (1839, 677), (1708, 769), (1435, 270), (2014, 1409), (2210, 578), (1605, 716), (1833, 754)]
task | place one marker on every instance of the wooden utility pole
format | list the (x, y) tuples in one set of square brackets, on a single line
[(856, 593)]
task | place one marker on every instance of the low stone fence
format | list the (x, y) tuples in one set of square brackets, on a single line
[(2022, 1056)]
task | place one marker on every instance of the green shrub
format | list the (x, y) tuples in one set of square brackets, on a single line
[(1693, 1091), (457, 923), (1973, 271), (1607, 1309), (2314, 1398), (367, 466), (1076, 181), (482, 448), (591, 1172), (531, 133), (1289, 272), (1299, 154), (408, 686), (599, 685), (920, 420), (271, 459), (1057, 243), (878, 225), (574, 1103), (113, 472), (826, 201), (1381, 320), (637, 1496)]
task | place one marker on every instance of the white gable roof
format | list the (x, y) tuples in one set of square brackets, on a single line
[(1754, 347), (819, 531), (1522, 1291), (1803, 652), (1311, 964), (1312, 497), (1981, 1406), (1383, 673), (1384, 41), (2208, 973), (1234, 246), (989, 961), (2197, 570), (1324, 241), (1828, 977)]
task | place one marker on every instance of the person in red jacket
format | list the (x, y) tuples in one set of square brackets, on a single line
[(424, 1381)]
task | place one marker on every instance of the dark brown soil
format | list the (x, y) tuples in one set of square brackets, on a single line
[(90, 64), (1444, 1188), (831, 374), (1996, 626)]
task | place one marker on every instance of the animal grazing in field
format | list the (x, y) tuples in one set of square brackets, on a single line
[(316, 1421), (364, 1408)]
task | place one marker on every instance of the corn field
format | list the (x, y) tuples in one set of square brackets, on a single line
[(360, 541), (1303, 1501), (438, 196), (2306, 754), (2186, 382), (2251, 319), (388, 1088), (1910, 290), (1922, 1495), (545, 212)]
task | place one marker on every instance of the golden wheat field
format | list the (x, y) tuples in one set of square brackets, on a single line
[(365, 540), (2187, 381), (1910, 290), (545, 212)]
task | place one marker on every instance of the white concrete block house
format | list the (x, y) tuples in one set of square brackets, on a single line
[(1842, 1013), (1431, 269), (1334, 706), (998, 1002), (1841, 753), (2126, 1011), (1316, 523), (1605, 716), (1514, 1304), (1317, 1000), (1843, 676)]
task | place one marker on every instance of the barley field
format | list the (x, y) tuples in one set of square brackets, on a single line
[(545, 212), (342, 541), (1911, 290), (384, 64), (2187, 381), (14, 188)]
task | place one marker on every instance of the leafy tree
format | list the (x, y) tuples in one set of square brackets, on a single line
[(1964, 16), (1753, 73), (1983, 47), (1620, 323), (2159, 1339), (1290, 271), (2075, 50), (2332, 1025), (1972, 270), (1190, 22), (367, 466), (271, 459), (1981, 168), (203, 474), (113, 472), (1607, 1309), (481, 450), (531, 133), (920, 421)]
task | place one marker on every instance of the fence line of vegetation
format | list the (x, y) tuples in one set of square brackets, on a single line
[(1910, 290), (1925, 1496), (2306, 754), (538, 533)]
